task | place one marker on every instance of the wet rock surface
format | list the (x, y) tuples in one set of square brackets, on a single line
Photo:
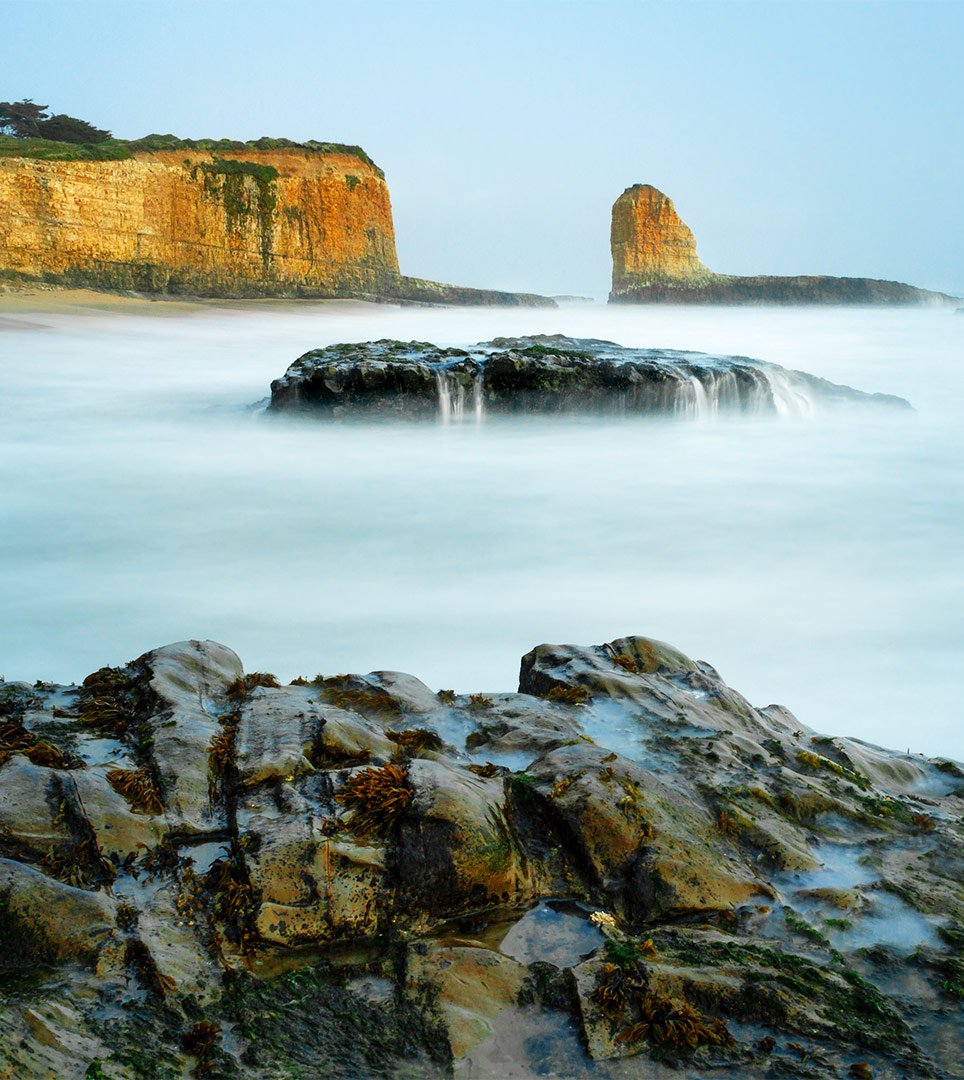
[(550, 374), (623, 869)]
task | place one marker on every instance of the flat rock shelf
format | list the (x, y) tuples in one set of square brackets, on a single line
[(545, 374), (203, 871)]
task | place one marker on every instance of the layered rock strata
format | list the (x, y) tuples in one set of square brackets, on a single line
[(203, 870), (254, 222), (655, 261), (545, 374)]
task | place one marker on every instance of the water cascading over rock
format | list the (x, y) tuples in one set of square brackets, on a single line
[(545, 374)]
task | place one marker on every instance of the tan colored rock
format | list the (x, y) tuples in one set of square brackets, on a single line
[(275, 730), (190, 679), (457, 849), (651, 245), (117, 829), (346, 879), (474, 985), (30, 798), (63, 922), (289, 221), (650, 843)]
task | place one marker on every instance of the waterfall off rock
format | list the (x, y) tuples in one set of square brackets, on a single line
[(551, 375), (452, 399)]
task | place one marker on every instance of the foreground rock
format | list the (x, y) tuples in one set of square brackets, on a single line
[(655, 262), (545, 374), (623, 869)]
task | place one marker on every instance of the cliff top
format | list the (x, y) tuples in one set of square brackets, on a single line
[(124, 149)]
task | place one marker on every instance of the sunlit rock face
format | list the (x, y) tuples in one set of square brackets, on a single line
[(242, 223), (246, 223), (655, 261), (651, 244), (357, 875)]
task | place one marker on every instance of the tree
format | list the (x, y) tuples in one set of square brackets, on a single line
[(64, 128), (27, 120), (22, 118)]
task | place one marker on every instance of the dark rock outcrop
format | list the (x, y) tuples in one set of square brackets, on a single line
[(544, 374), (358, 876), (655, 262)]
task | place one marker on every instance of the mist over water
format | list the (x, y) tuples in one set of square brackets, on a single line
[(814, 560)]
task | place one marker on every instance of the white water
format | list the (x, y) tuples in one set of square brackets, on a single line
[(451, 399), (814, 559)]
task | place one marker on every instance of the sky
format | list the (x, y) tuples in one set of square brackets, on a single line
[(794, 138)]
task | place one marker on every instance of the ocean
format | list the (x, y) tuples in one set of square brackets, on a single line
[(816, 559)]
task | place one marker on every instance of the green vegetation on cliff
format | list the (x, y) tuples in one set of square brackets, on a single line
[(122, 149)]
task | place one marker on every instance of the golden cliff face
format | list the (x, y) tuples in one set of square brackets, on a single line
[(650, 244), (254, 223)]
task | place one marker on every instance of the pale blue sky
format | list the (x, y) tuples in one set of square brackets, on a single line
[(794, 137)]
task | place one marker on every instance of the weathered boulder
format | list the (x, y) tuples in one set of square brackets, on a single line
[(473, 984), (46, 919), (542, 374), (625, 855), (457, 846)]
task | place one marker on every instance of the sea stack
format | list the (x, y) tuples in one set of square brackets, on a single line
[(651, 244), (655, 261)]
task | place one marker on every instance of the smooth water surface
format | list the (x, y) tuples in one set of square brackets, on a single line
[(815, 561)]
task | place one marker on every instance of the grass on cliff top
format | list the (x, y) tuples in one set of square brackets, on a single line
[(122, 149)]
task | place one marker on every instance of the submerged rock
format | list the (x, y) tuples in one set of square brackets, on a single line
[(358, 876), (550, 374)]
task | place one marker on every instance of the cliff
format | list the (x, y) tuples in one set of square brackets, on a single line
[(238, 222), (655, 261), (203, 872)]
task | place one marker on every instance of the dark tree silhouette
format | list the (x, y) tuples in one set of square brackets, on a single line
[(22, 118), (64, 128), (27, 120)]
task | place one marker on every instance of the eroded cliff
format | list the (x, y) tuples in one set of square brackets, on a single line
[(295, 221), (655, 261)]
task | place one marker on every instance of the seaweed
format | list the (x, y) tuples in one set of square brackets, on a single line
[(138, 787), (569, 695)]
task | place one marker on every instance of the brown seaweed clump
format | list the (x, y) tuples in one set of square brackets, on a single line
[(415, 740), (569, 695), (233, 898), (360, 701), (240, 688), (106, 701), (627, 663), (665, 1022), (618, 987), (16, 739), (378, 798), (200, 1041), (138, 788)]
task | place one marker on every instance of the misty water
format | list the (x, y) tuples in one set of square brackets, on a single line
[(815, 560)]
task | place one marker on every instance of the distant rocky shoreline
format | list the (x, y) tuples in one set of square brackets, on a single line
[(356, 875), (544, 374), (655, 262)]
